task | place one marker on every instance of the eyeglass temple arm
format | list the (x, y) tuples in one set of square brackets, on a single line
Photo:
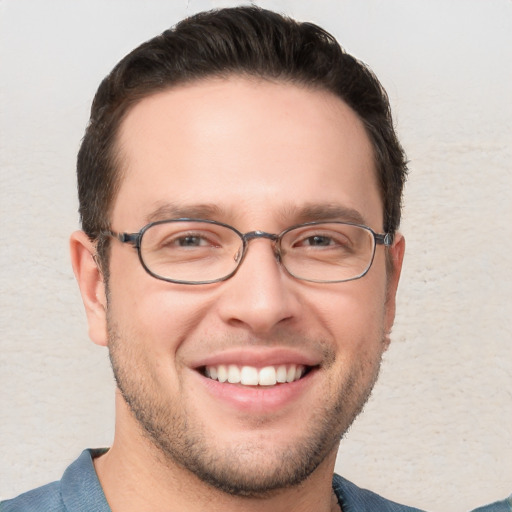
[(125, 238), (384, 239)]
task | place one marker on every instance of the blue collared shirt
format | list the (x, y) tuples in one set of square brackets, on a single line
[(497, 506), (79, 490)]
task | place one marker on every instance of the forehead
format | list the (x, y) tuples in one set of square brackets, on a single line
[(246, 146)]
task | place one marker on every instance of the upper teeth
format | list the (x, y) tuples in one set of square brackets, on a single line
[(252, 376)]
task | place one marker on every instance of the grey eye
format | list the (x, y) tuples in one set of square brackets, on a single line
[(318, 241), (190, 241)]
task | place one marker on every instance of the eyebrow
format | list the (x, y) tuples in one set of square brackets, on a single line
[(164, 211), (323, 212), (289, 214)]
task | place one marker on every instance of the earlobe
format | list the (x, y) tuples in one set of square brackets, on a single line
[(91, 284)]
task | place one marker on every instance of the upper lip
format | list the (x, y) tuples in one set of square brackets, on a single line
[(258, 358)]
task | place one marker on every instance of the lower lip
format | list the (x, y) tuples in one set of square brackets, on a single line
[(258, 399)]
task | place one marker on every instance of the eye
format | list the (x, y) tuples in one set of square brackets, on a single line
[(190, 241), (317, 241), (321, 239)]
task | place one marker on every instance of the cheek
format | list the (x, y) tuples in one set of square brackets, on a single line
[(354, 314), (154, 314)]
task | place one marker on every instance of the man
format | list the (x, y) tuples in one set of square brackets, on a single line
[(240, 187)]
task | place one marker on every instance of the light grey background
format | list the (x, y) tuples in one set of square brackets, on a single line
[(437, 432)]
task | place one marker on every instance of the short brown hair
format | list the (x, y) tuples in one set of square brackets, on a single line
[(240, 40)]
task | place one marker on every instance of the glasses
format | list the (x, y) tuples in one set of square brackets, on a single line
[(197, 251)]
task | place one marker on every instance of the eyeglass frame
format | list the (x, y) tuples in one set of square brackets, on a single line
[(385, 239)]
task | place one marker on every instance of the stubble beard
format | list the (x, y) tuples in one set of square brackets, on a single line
[(237, 470)]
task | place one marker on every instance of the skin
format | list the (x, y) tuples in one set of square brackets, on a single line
[(261, 156)]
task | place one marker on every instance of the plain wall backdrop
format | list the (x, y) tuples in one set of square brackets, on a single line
[(437, 431)]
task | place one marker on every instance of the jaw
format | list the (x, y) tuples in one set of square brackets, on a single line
[(245, 440)]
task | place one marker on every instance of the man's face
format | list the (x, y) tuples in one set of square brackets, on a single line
[(258, 156)]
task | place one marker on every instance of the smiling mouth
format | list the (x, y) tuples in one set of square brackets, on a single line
[(252, 376)]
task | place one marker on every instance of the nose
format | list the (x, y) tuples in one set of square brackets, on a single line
[(261, 295)]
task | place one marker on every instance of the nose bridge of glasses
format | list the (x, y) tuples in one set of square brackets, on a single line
[(260, 234), (253, 235)]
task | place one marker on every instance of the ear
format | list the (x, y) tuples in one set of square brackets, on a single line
[(92, 286), (394, 269)]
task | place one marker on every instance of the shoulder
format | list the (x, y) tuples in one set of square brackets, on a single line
[(498, 506), (79, 491), (42, 499), (354, 499)]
